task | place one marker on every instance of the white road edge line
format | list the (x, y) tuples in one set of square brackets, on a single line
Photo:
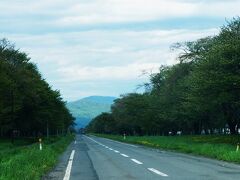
[(158, 172), (116, 151), (136, 161), (69, 166), (121, 142), (124, 155), (113, 141)]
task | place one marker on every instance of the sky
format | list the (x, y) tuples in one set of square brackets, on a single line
[(105, 47)]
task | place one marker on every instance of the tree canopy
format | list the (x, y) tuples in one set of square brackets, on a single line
[(28, 104), (200, 93)]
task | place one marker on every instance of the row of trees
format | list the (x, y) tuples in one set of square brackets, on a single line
[(200, 93), (28, 105)]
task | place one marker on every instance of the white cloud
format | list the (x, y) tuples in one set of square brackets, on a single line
[(222, 8), (119, 11), (109, 11), (105, 48), (91, 12), (71, 44), (109, 55), (128, 72)]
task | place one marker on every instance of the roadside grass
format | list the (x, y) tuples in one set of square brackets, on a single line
[(24, 161), (221, 147)]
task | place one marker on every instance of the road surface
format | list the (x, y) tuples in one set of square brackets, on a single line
[(94, 158)]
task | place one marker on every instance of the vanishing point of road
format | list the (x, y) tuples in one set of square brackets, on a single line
[(94, 158)]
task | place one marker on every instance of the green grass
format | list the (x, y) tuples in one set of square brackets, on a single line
[(213, 146), (24, 160)]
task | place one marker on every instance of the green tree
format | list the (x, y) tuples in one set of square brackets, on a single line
[(27, 103)]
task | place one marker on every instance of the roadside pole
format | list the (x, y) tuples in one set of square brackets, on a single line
[(40, 144)]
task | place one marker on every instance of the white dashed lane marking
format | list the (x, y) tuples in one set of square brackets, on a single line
[(157, 172), (124, 155), (136, 161)]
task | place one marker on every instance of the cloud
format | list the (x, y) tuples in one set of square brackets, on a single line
[(74, 13), (98, 55), (128, 72), (85, 47), (104, 48), (115, 11)]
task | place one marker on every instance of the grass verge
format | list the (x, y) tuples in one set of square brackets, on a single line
[(25, 161), (219, 147)]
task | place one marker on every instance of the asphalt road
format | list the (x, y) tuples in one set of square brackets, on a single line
[(93, 158)]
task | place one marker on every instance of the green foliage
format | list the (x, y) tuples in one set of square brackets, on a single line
[(27, 161), (104, 123), (27, 102), (200, 93), (214, 81)]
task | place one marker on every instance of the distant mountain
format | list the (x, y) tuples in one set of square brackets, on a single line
[(87, 108)]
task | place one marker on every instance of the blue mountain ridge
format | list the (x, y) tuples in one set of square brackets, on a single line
[(85, 109)]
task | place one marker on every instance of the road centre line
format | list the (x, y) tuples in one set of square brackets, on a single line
[(69, 166), (124, 155), (157, 172), (136, 161)]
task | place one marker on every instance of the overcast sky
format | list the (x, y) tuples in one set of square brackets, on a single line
[(101, 47)]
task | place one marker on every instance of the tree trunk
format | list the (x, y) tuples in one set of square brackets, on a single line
[(229, 115), (232, 127)]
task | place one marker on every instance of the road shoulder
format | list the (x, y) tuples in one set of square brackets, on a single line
[(58, 172)]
